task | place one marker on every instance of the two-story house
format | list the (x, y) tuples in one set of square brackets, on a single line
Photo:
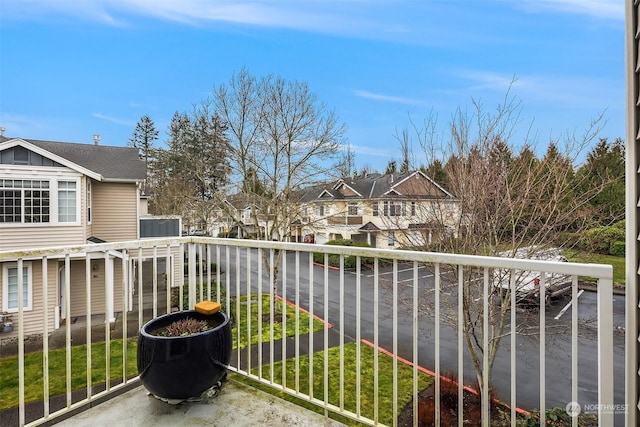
[(394, 210), (57, 194)]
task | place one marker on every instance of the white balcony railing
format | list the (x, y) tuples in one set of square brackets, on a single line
[(394, 311)]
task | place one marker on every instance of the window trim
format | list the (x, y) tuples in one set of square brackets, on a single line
[(391, 238), (5, 286), (89, 201), (53, 200)]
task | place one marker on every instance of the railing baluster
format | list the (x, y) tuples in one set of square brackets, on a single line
[(168, 277), (283, 278), (358, 338), (311, 314), (297, 340), (260, 296), (238, 312), (415, 341), (461, 321), (395, 341), (67, 324), (511, 295), (342, 327), (437, 341), (605, 352), (125, 310), (325, 294), (140, 291), (272, 301), (485, 349), (45, 338), (543, 335), (574, 345), (154, 281), (20, 301), (88, 275), (376, 315), (249, 302), (108, 291)]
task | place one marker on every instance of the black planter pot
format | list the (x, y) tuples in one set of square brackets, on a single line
[(183, 367)]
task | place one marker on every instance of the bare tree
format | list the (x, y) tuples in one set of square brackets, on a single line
[(505, 202), (347, 165), (282, 136)]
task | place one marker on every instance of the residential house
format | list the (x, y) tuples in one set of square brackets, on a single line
[(385, 211), (57, 194)]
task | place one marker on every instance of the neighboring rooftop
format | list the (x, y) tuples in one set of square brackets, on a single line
[(111, 163)]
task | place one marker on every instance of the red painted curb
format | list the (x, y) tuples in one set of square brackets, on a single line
[(330, 267), (329, 325), (433, 374)]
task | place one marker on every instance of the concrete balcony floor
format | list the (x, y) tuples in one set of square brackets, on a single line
[(235, 405)]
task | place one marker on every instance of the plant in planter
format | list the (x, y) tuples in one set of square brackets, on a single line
[(183, 354)]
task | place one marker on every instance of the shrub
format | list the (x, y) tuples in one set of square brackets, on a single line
[(618, 248), (604, 240), (349, 261)]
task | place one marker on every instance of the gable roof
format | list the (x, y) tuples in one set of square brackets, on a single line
[(377, 186), (101, 162)]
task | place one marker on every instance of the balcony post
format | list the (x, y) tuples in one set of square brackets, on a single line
[(605, 351)]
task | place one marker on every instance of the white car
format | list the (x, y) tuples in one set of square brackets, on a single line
[(527, 283)]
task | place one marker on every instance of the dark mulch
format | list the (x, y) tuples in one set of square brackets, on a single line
[(449, 408)]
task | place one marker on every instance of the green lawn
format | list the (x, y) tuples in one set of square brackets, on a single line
[(618, 263), (385, 382), (33, 365), (34, 388)]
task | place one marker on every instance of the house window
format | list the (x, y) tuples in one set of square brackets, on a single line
[(393, 209), (321, 210), (24, 201), (10, 289), (374, 208), (88, 201), (391, 238), (66, 201), (352, 209), (413, 208)]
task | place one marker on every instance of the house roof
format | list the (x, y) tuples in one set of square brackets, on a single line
[(376, 186), (107, 162)]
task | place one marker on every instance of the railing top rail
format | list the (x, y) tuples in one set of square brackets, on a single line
[(598, 271)]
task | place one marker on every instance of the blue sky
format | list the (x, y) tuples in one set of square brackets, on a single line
[(71, 69)]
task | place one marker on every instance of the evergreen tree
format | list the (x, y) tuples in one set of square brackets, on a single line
[(143, 138), (392, 167), (604, 171)]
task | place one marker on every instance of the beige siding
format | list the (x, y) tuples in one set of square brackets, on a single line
[(34, 319), (98, 289), (418, 185), (15, 238), (114, 210), (47, 235)]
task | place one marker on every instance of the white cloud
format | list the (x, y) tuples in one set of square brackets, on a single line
[(309, 15), (370, 151), (387, 98), (555, 89), (113, 119)]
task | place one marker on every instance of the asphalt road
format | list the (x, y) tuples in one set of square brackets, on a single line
[(310, 281)]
